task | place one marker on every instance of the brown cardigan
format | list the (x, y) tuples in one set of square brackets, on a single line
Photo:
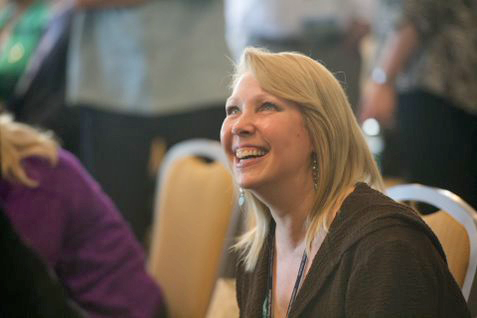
[(379, 259)]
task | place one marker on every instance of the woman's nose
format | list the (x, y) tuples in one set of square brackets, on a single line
[(243, 126)]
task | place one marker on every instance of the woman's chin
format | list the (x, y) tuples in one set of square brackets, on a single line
[(248, 184)]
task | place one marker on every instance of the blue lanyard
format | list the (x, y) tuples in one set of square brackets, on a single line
[(267, 306)]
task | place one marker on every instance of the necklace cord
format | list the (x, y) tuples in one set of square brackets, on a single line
[(296, 287)]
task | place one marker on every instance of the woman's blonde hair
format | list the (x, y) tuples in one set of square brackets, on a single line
[(340, 149), (19, 141)]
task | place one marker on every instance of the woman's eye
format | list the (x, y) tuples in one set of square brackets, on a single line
[(268, 106), (232, 110)]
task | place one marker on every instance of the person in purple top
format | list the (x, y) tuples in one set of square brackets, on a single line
[(62, 213)]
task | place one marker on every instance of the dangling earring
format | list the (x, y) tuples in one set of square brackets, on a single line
[(241, 200), (314, 171)]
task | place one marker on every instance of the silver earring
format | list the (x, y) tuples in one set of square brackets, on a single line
[(241, 200), (314, 171)]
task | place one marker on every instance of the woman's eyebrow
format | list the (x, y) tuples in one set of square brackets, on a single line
[(230, 100)]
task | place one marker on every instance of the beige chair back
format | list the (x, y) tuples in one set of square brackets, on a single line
[(454, 240), (224, 301), (194, 211)]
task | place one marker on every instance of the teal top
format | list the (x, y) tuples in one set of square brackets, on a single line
[(20, 44)]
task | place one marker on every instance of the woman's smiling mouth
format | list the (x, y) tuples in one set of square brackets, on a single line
[(248, 154)]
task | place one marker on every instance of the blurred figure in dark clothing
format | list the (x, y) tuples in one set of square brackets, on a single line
[(140, 71), (424, 84)]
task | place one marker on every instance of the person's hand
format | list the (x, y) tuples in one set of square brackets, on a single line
[(378, 101)]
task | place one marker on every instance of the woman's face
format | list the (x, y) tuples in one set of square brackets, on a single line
[(264, 137)]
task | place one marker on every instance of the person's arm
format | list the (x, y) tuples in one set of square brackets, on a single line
[(361, 13), (399, 48), (102, 263), (379, 96)]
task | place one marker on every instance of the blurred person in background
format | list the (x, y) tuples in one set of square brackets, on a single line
[(22, 25), (423, 86), (62, 213), (34, 38), (141, 70), (327, 30)]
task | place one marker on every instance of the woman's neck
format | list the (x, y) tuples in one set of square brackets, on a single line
[(290, 207), (292, 216)]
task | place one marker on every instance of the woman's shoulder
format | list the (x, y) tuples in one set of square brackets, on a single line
[(67, 166), (65, 176), (366, 206), (369, 205), (369, 217)]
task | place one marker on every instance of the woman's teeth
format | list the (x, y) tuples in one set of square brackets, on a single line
[(245, 153)]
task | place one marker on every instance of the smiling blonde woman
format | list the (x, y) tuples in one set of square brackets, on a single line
[(322, 239)]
